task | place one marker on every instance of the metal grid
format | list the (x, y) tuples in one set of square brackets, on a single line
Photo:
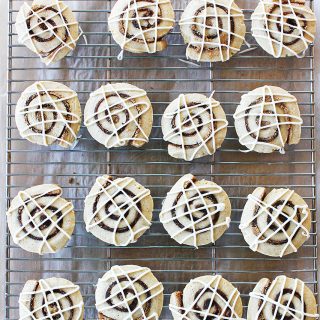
[(163, 76)]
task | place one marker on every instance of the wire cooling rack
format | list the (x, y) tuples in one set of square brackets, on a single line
[(164, 77)]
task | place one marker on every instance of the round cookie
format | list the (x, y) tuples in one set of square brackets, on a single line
[(194, 125), (129, 292), (49, 112), (214, 30), (284, 28), (118, 210), (195, 212), (48, 28), (51, 298), (40, 220), (268, 118), (275, 223), (119, 114), (206, 297)]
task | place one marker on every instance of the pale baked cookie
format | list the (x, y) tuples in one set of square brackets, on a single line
[(196, 212), (214, 30), (40, 220), (282, 298), (118, 210), (268, 118), (194, 125), (141, 25), (51, 298), (119, 114), (206, 297), (48, 28), (129, 292), (275, 223), (49, 112), (284, 28)]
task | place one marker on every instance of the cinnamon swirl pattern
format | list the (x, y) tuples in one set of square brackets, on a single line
[(268, 118), (49, 112), (194, 125), (196, 212), (51, 298), (129, 293), (206, 297), (282, 298), (284, 28), (141, 25), (48, 28), (40, 220), (275, 223), (214, 30), (118, 210), (119, 114)]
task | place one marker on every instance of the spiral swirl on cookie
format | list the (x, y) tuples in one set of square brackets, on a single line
[(268, 118), (284, 27), (129, 292), (282, 298), (194, 125)]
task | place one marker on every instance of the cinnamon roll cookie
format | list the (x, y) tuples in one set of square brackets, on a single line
[(268, 118), (119, 114), (118, 210), (51, 298), (141, 25), (49, 112), (206, 297), (129, 293), (284, 28), (48, 28), (194, 125), (275, 223), (40, 220), (282, 298), (196, 212), (214, 30)]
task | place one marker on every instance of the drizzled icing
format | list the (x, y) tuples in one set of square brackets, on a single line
[(290, 23), (56, 301), (130, 291), (120, 213)]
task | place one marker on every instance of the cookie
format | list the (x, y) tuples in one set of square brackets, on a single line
[(129, 292), (48, 28), (214, 30), (196, 212), (194, 125), (40, 220), (118, 210), (51, 298), (282, 298), (267, 119), (284, 28), (275, 223), (49, 113), (119, 114), (206, 297), (141, 25)]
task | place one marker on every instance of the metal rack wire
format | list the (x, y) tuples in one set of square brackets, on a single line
[(163, 76)]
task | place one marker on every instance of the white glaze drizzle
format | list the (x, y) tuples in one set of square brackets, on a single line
[(279, 18), (127, 106), (241, 114), (117, 272), (26, 198), (120, 185), (285, 309), (45, 287), (264, 209), (181, 107)]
